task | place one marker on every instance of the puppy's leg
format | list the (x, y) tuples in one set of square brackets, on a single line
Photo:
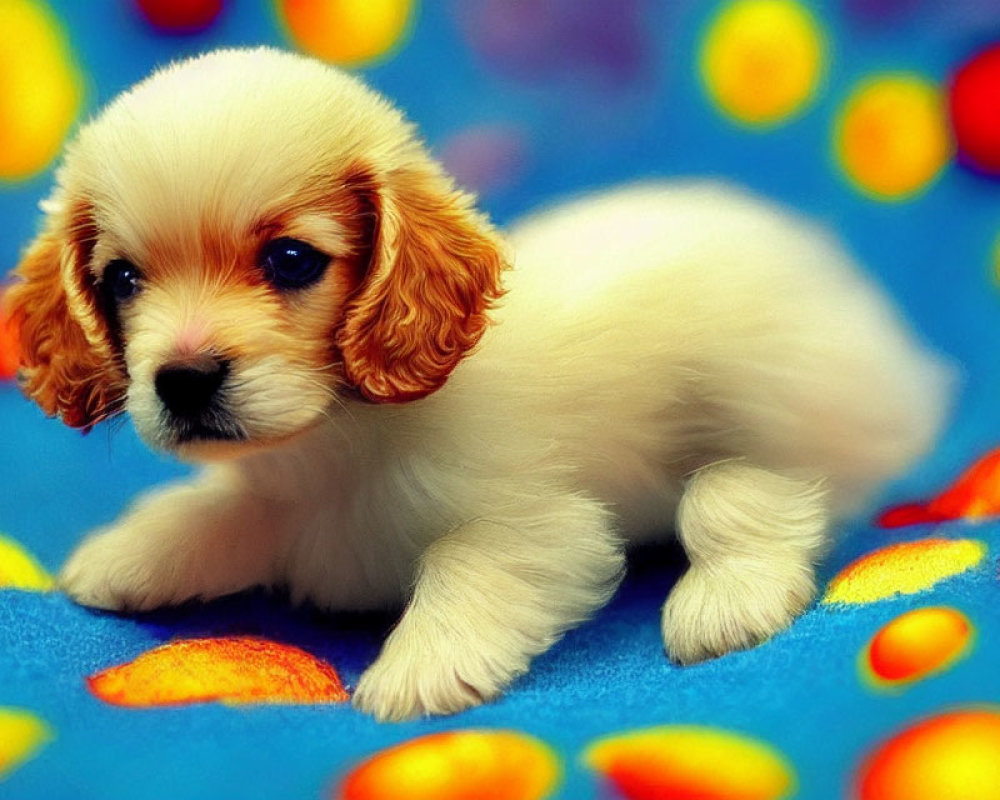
[(752, 538), (202, 539), (489, 596)]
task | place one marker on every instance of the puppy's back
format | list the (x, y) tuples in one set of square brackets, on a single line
[(714, 324)]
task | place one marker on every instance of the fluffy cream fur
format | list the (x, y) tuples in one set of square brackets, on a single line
[(666, 355)]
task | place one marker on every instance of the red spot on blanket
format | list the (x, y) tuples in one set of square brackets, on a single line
[(975, 495)]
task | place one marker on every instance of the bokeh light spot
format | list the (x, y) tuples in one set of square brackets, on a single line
[(891, 137), (599, 46), (40, 88), (458, 765), (904, 568), (239, 669), (19, 570), (180, 16), (916, 644), (691, 762), (762, 60), (952, 755), (21, 735), (975, 111), (347, 32), (975, 495), (486, 158)]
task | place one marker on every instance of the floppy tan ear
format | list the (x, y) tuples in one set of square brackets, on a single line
[(434, 274), (68, 361)]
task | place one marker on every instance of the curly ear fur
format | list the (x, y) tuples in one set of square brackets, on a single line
[(68, 361), (434, 274)]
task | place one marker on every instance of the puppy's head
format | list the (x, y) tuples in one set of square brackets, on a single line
[(235, 242)]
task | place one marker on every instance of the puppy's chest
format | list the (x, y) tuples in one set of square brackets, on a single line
[(359, 534)]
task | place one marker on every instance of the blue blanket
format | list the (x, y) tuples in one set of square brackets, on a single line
[(567, 101)]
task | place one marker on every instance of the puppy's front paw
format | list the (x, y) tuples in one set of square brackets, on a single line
[(413, 679), (711, 613), (113, 571)]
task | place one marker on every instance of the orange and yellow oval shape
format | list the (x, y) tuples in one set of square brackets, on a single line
[(903, 568), (239, 669), (691, 762), (41, 89), (347, 32), (22, 734), (457, 765), (915, 645), (892, 137), (952, 755), (20, 570), (762, 61)]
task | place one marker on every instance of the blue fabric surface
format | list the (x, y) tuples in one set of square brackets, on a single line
[(799, 692)]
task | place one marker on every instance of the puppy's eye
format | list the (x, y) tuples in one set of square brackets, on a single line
[(291, 264), (122, 280)]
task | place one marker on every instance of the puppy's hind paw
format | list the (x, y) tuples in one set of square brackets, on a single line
[(709, 614)]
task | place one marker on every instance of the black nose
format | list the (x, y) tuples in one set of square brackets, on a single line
[(187, 389)]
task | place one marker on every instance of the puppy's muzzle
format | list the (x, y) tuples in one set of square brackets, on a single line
[(193, 396), (189, 389)]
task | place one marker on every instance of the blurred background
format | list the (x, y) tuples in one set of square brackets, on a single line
[(879, 117)]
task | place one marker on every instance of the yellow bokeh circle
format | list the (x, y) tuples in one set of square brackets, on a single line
[(347, 32), (891, 136), (762, 61), (40, 88)]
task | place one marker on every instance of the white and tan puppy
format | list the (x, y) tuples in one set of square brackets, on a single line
[(254, 255)]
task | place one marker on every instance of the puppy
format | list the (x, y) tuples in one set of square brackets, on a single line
[(254, 255)]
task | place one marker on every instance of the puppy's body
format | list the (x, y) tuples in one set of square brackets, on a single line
[(664, 357)]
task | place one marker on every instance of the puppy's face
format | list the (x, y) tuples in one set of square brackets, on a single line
[(237, 243)]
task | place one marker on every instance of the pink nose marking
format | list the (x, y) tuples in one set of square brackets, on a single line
[(191, 339)]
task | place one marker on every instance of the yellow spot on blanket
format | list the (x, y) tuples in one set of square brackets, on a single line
[(19, 570), (916, 644), (691, 762), (21, 735), (905, 568), (458, 765)]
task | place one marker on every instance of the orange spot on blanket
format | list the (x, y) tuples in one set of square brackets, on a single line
[(956, 754), (237, 669), (976, 494), (458, 765), (21, 735), (691, 762), (904, 568), (917, 644)]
